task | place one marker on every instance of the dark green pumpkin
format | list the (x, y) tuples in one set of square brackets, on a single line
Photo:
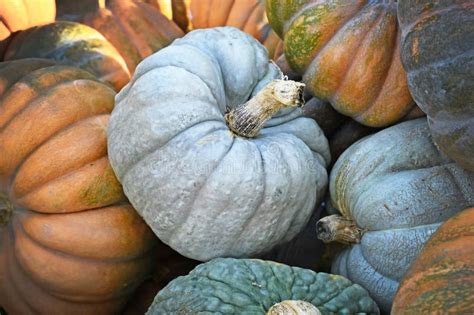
[(248, 286), (75, 45), (438, 54)]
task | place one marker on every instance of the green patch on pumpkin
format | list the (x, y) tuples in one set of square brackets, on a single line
[(105, 189)]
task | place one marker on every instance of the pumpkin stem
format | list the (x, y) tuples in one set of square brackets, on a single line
[(293, 307), (336, 228), (248, 119), (6, 209)]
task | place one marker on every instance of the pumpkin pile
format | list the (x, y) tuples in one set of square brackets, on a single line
[(236, 157)]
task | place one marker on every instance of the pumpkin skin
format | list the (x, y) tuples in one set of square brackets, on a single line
[(17, 15), (203, 191), (246, 15), (440, 71), (399, 188), (73, 244), (252, 286), (348, 53), (135, 28), (442, 277), (73, 44)]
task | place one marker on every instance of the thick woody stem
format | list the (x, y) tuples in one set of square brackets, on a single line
[(293, 307), (248, 119), (6, 209), (336, 228)]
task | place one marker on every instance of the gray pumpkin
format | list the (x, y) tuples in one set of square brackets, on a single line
[(204, 191), (397, 188)]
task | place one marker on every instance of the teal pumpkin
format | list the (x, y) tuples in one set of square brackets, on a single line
[(250, 286)]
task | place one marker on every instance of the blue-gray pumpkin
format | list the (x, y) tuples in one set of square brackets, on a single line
[(395, 189), (204, 190), (252, 286)]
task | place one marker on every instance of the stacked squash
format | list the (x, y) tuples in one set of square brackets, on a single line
[(219, 158)]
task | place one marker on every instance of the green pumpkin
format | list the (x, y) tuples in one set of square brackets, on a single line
[(250, 286), (72, 44)]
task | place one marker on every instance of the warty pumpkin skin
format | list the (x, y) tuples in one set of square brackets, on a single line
[(348, 53), (136, 29), (203, 190), (441, 280), (440, 68), (73, 244), (252, 286), (17, 15), (397, 188), (73, 44)]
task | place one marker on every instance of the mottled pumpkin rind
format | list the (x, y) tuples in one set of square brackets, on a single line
[(442, 277), (399, 188), (238, 286), (72, 44), (440, 70), (348, 54)]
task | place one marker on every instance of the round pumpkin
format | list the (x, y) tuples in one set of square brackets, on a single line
[(252, 286), (72, 244), (135, 28), (438, 55), (393, 190), (348, 53), (72, 44), (205, 189), (17, 15), (441, 280)]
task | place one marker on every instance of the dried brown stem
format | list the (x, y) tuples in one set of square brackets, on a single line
[(248, 119), (336, 228)]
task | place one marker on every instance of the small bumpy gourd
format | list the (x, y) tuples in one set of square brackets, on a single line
[(205, 190)]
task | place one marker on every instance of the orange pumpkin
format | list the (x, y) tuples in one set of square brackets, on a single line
[(348, 53), (441, 280), (72, 44), (72, 244), (135, 28), (16, 15), (247, 15)]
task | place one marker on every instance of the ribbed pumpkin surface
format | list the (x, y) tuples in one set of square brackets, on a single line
[(438, 55), (348, 53), (136, 29), (248, 286), (73, 44), (441, 280), (81, 248)]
